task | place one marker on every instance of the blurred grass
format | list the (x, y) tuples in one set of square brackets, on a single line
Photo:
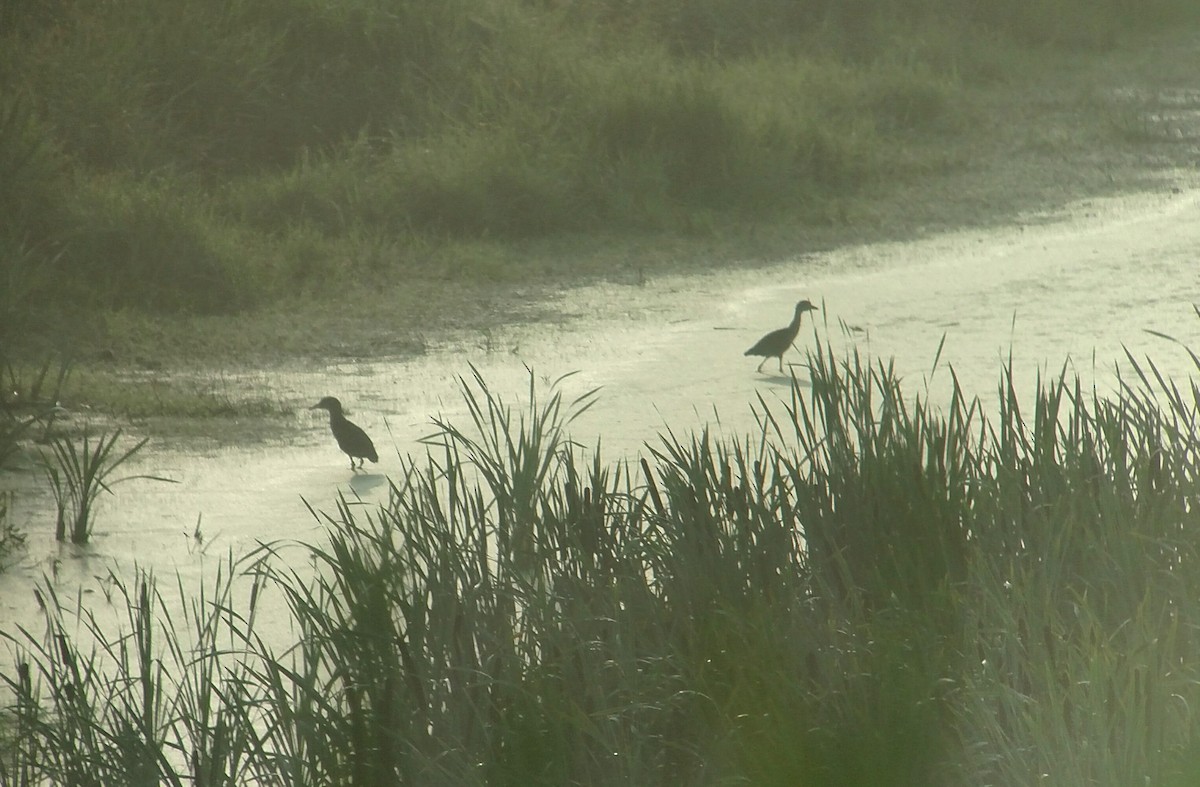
[(213, 158), (874, 591)]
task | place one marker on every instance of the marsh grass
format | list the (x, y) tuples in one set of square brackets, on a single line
[(28, 401), (181, 158), (155, 393), (875, 590), (29, 398), (78, 470), (35, 388), (12, 539)]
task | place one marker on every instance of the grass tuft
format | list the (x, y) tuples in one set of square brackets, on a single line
[(78, 471)]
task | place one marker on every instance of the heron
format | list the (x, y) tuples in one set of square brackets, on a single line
[(350, 437), (776, 343)]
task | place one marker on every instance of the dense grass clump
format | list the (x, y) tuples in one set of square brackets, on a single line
[(873, 591), (208, 157)]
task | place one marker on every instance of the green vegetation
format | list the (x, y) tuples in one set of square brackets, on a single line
[(28, 403), (149, 394), (211, 157), (12, 539), (875, 591), (78, 471), (28, 398)]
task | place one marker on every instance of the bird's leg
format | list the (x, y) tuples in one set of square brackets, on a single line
[(781, 363), (760, 364)]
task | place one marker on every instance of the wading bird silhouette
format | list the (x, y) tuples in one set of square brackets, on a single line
[(775, 343), (350, 438)]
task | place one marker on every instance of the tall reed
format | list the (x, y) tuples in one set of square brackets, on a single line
[(874, 590), (78, 471), (29, 397)]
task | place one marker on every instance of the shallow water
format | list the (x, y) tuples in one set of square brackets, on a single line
[(1078, 288)]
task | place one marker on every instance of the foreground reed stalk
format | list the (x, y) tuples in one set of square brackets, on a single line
[(875, 591)]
